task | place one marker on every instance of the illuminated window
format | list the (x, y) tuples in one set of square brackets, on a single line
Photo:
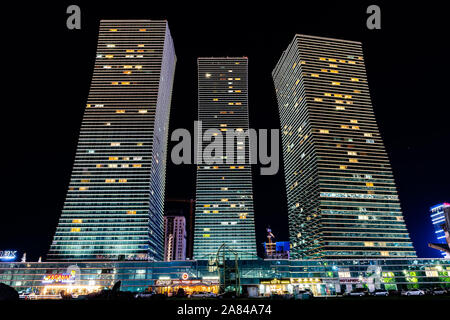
[(318, 99), (353, 160), (75, 230), (84, 188), (369, 184), (113, 158), (120, 111), (355, 79), (324, 131), (342, 167), (110, 180), (77, 221), (131, 212), (315, 75), (123, 180), (334, 83), (115, 144), (368, 244), (113, 30), (384, 253)]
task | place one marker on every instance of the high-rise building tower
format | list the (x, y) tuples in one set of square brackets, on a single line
[(224, 203), (174, 238), (114, 205), (342, 199), (440, 218)]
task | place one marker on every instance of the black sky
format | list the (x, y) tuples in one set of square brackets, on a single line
[(47, 71)]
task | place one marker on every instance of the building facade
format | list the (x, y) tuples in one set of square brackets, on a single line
[(440, 216), (277, 250), (224, 195), (174, 238), (114, 205), (342, 198), (46, 280)]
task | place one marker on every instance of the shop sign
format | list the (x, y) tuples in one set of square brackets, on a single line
[(349, 280), (8, 255), (276, 281), (59, 278)]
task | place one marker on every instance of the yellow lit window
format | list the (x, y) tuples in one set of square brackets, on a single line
[(368, 244), (114, 83), (125, 83), (123, 180), (237, 79), (127, 67), (75, 230), (340, 108), (129, 50), (113, 30), (237, 90), (142, 111), (369, 184), (84, 188), (131, 212), (77, 221), (315, 75), (127, 72), (215, 211), (85, 180), (342, 167), (353, 160), (205, 235), (334, 83), (110, 180), (355, 79), (98, 165), (215, 99), (318, 99), (109, 56), (384, 253), (113, 158), (353, 121), (206, 205), (115, 144), (142, 30), (323, 131), (139, 144), (120, 111), (136, 165)]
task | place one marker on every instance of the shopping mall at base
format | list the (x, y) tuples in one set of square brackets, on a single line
[(252, 277)]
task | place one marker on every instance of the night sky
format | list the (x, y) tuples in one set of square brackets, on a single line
[(48, 70)]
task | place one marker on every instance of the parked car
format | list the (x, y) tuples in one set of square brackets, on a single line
[(394, 292), (380, 292), (304, 294), (359, 292), (203, 295), (227, 295), (438, 291), (413, 292)]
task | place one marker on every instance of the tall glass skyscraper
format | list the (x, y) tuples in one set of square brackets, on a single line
[(342, 199), (114, 205), (440, 214), (224, 207)]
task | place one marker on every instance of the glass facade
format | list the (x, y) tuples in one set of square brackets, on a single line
[(342, 198), (323, 277), (224, 207), (114, 205), (438, 218)]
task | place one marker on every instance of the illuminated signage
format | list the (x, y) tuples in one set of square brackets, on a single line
[(59, 278), (349, 280), (184, 276), (8, 255)]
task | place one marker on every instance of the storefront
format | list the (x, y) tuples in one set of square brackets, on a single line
[(294, 286), (170, 287)]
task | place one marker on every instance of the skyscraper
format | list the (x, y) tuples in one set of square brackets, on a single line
[(342, 199), (174, 238), (114, 205), (440, 214), (224, 207)]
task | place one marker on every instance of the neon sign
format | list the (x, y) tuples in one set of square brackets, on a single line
[(59, 278), (8, 255), (184, 276)]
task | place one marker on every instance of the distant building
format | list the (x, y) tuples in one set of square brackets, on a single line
[(174, 238), (440, 217), (277, 250)]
